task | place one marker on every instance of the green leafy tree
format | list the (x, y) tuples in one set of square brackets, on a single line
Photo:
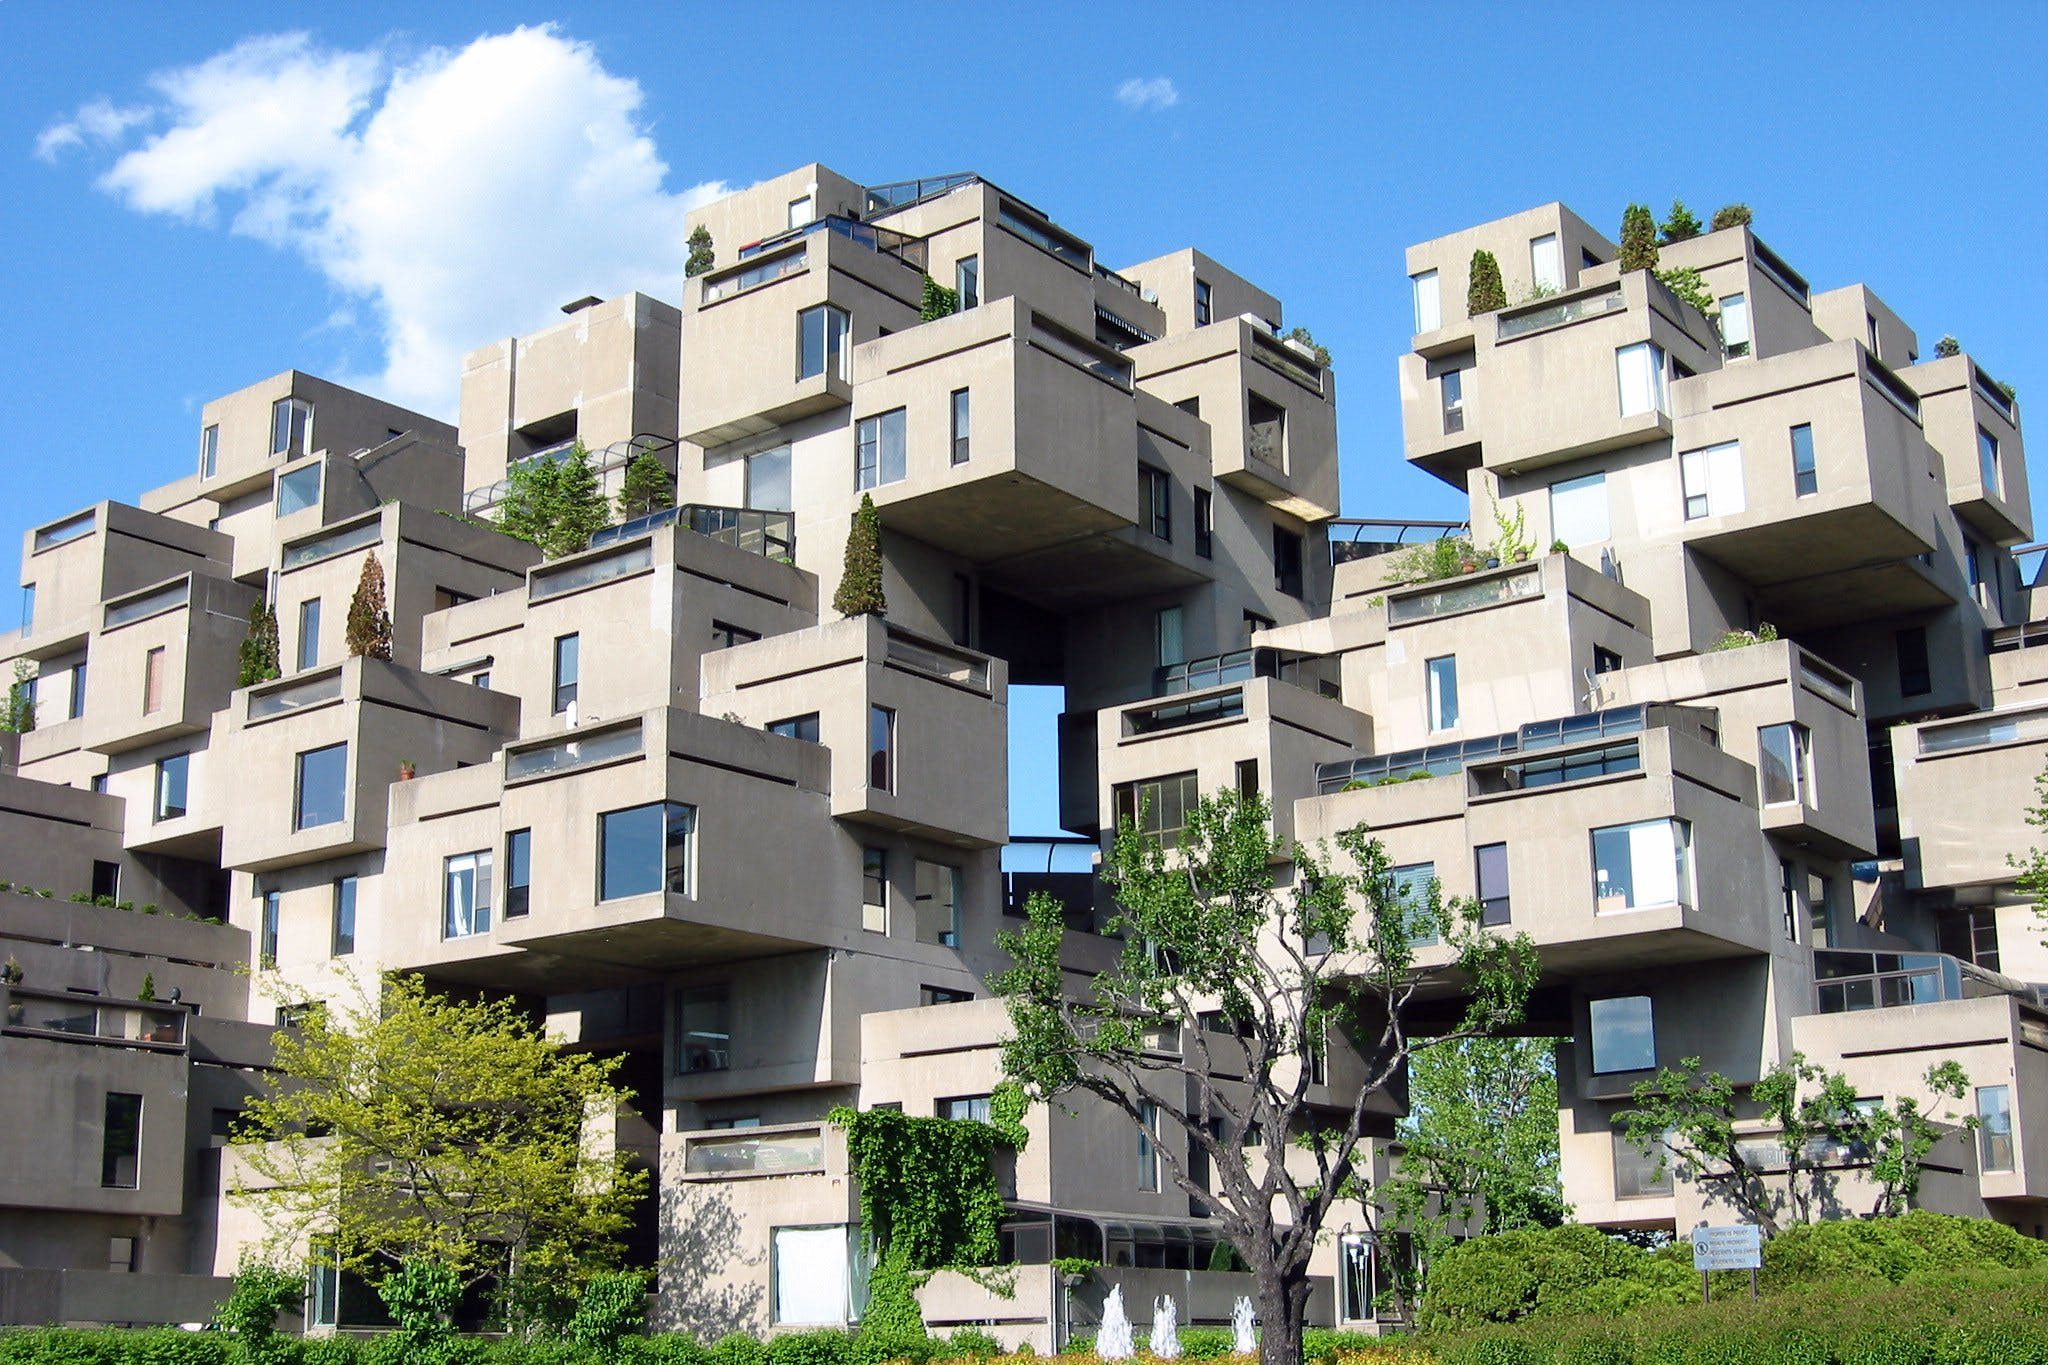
[(1680, 225), (1306, 338), (938, 301), (1208, 935), (369, 624), (1638, 239), (1947, 347), (421, 1295), (554, 504), (1691, 287), (2031, 868), (421, 1127), (259, 647), (645, 488), (1484, 293), (21, 700), (1428, 560), (1730, 215), (860, 582), (702, 254)]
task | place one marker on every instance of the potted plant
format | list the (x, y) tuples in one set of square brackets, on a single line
[(406, 770)]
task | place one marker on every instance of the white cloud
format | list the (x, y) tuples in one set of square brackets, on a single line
[(99, 121), (1148, 94), (459, 195)]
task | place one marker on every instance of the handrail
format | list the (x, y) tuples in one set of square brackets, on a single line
[(606, 459)]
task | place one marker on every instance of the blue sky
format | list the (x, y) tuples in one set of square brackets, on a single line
[(200, 196)]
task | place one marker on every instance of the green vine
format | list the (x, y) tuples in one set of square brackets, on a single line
[(938, 301), (928, 1194), (1006, 1106)]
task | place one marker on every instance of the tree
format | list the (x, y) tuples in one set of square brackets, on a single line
[(860, 582), (259, 647), (1303, 335), (1482, 1124), (1485, 292), (369, 624), (1800, 1119), (1638, 239), (20, 717), (1680, 225), (554, 504), (1216, 952), (2032, 869), (1730, 215), (701, 252), (415, 1126), (645, 488), (1947, 347)]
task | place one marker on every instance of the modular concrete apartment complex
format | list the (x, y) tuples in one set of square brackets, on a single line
[(662, 793)]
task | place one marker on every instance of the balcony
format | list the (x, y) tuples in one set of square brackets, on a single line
[(109, 551), (1848, 980), (778, 1150), (905, 248), (1975, 427), (1964, 787), (164, 661), (763, 533), (66, 1016)]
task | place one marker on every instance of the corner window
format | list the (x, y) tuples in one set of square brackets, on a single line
[(1640, 865), (1578, 510), (344, 938), (319, 789), (822, 336), (703, 1030), (1982, 567), (1805, 476), (961, 426), (879, 454), (1735, 326), (1287, 562), (881, 748), (1429, 313), (567, 669), (1546, 263), (466, 895), (938, 904), (1820, 910), (309, 634), (724, 635), (1713, 480), (298, 490), (1605, 661), (1639, 374), (209, 451), (172, 774), (1159, 807), (874, 890), (1268, 421), (1442, 680), (291, 426), (518, 872), (644, 849), (1202, 308), (1148, 1145), (1155, 501), (1490, 864), (1994, 1128), (967, 281), (1783, 763), (121, 1142), (1971, 935), (1987, 460), (1915, 679), (768, 480), (1624, 1034), (1205, 523)]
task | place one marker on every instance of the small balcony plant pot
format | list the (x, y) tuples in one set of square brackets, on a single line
[(1469, 566), (406, 771), (16, 1011)]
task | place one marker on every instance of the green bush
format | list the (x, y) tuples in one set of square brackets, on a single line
[(1322, 1344), (1545, 1272), (737, 1348), (250, 1312), (612, 1308), (670, 1348)]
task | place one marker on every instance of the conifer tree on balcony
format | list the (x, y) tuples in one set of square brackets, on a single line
[(554, 504), (369, 624), (646, 488), (860, 583), (1638, 239), (259, 647), (1485, 293), (701, 252), (1730, 215), (1681, 224)]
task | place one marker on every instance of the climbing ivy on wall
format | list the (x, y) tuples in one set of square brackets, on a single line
[(928, 1195)]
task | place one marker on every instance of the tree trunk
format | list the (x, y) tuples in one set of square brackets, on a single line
[(1283, 1311)]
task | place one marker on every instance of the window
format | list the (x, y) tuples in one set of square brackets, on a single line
[(1148, 1145), (309, 633), (942, 995), (1155, 501), (1870, 326), (972, 1107), (1782, 763), (1268, 422), (1639, 371), (1202, 308), (800, 211), (1429, 313), (1994, 1131), (106, 880), (319, 793), (1205, 523), (28, 607), (961, 426), (1643, 864), (1713, 480), (725, 635), (1971, 935), (567, 669), (643, 849), (1246, 775), (1805, 477), (1546, 262), (1789, 899), (1820, 910), (1490, 866), (121, 1255), (99, 783), (344, 939), (481, 680), (811, 1275), (172, 773), (1167, 642), (881, 748), (938, 904), (1735, 326), (444, 598), (1254, 623), (121, 1141), (1982, 567), (768, 479), (466, 895), (153, 681), (821, 342), (1914, 678), (298, 490), (75, 701), (1624, 1036), (266, 941), (1287, 561), (1159, 807), (1453, 384), (1639, 1174), (703, 1030), (518, 872), (1987, 460), (1578, 510), (1442, 684), (797, 727), (1605, 661), (209, 451), (874, 890), (967, 281), (1408, 891), (291, 426), (879, 456)]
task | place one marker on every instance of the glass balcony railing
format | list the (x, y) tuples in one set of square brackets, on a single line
[(901, 194), (332, 543), (1558, 313), (1197, 710), (588, 573), (1439, 760), (1214, 671), (884, 241), (743, 1153), (1853, 979), (295, 696), (933, 660), (1994, 393), (65, 531), (725, 286), (1979, 731), (1464, 596), (583, 751), (151, 603), (91, 1020)]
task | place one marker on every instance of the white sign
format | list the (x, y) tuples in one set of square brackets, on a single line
[(1737, 1247)]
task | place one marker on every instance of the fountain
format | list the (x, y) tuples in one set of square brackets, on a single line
[(1113, 1342), (1165, 1329), (1242, 1339)]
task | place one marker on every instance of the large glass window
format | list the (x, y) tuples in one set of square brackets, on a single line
[(644, 849), (75, 694), (1639, 371), (291, 426), (1202, 303), (298, 490), (967, 281), (1994, 1128), (309, 633), (1429, 314), (1578, 510), (209, 451), (1408, 891), (266, 935), (344, 940), (173, 772), (1546, 263), (567, 670), (1713, 480), (874, 890), (972, 1108), (1971, 935), (1148, 1145), (1982, 567), (121, 1141), (768, 479), (938, 904), (1442, 681), (879, 453), (881, 748), (703, 1029), (466, 894), (320, 791), (1987, 460), (1639, 1174), (1805, 476), (822, 342), (1159, 807), (1735, 325), (1643, 864), (1624, 1034), (518, 872), (811, 1275), (962, 427), (800, 211), (1782, 762), (1490, 864), (1287, 561), (1155, 501)]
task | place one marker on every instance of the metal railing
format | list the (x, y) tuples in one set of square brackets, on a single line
[(1441, 760), (1607, 299), (617, 455), (901, 194), (1363, 537), (1854, 979), (884, 241)]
